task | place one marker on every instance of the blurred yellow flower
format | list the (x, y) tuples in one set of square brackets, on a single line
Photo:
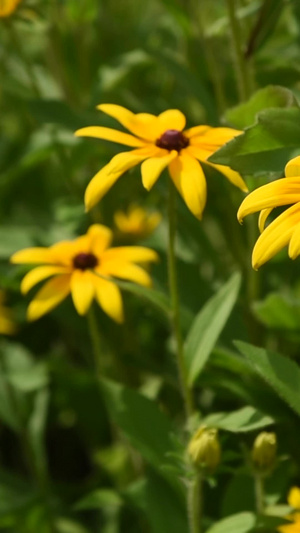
[(285, 229), (293, 501), (84, 267), (7, 7), (136, 223), (159, 142), (7, 326)]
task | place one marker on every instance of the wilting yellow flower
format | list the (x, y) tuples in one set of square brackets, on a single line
[(7, 7), (84, 267), (160, 142), (136, 222), (285, 229), (293, 501), (7, 326)]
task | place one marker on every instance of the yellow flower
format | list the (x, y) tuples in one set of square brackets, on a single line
[(285, 229), (160, 142), (84, 267), (137, 222), (293, 501), (7, 326), (7, 7)]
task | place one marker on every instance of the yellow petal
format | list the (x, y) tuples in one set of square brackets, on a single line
[(82, 289), (129, 272), (101, 238), (172, 119), (39, 274), (292, 168), (294, 493), (152, 168), (275, 236), (233, 176), (51, 294), (33, 255), (196, 131), (189, 179), (136, 254), (263, 215), (109, 134), (279, 192), (294, 246), (197, 152), (7, 326), (108, 175), (214, 138), (7, 7), (109, 298), (143, 125)]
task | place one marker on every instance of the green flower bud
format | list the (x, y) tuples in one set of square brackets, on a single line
[(263, 453), (204, 449)]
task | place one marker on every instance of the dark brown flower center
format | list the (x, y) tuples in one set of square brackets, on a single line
[(172, 140), (84, 261)]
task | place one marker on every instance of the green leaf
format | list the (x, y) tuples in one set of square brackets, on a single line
[(164, 508), (36, 430), (278, 311), (244, 114), (266, 146), (244, 419), (30, 379), (98, 499), (238, 523), (208, 325), (148, 429), (282, 374)]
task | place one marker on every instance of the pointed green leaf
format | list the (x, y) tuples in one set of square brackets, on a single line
[(244, 114), (266, 146), (282, 374), (208, 325), (244, 419), (238, 523), (147, 428)]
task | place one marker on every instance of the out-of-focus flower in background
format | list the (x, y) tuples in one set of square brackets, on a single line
[(84, 267), (136, 223), (294, 502), (7, 325), (7, 7), (160, 142)]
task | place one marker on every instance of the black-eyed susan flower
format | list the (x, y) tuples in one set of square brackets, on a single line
[(136, 222), (7, 7), (160, 142), (285, 229), (86, 268), (7, 325), (294, 502)]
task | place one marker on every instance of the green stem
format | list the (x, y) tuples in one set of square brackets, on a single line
[(239, 59), (259, 494), (175, 317), (96, 341), (195, 502)]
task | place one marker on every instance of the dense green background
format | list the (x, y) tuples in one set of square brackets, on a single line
[(76, 457)]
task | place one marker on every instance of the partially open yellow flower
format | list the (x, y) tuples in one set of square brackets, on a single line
[(7, 7), (136, 223), (285, 229), (7, 326), (84, 267), (160, 142)]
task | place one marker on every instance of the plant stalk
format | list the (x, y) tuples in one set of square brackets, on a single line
[(240, 66), (175, 314), (195, 503)]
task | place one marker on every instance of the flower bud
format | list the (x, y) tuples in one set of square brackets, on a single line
[(204, 449), (263, 453)]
